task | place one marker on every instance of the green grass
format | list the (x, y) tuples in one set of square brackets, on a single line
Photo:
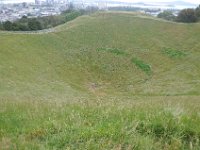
[(142, 65), (173, 53), (110, 123), (101, 81), (115, 51)]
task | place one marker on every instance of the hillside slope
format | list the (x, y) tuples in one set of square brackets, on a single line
[(106, 81), (105, 53)]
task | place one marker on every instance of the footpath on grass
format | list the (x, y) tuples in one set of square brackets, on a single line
[(30, 32)]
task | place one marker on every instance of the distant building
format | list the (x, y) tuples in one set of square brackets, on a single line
[(37, 2), (50, 1)]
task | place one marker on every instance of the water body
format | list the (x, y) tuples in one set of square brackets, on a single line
[(156, 6)]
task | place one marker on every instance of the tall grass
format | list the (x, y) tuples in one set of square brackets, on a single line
[(109, 123)]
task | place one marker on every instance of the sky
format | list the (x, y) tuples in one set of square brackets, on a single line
[(191, 1)]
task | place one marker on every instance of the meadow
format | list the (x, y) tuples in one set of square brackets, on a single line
[(109, 80)]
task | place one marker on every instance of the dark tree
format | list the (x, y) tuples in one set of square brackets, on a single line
[(15, 27), (23, 27), (1, 26), (33, 24), (198, 11), (24, 17), (7, 25), (168, 15), (187, 16)]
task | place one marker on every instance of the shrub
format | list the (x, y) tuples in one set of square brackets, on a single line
[(72, 15), (113, 50), (142, 65), (168, 15), (187, 16), (7, 25), (34, 24), (1, 26), (173, 53), (198, 12)]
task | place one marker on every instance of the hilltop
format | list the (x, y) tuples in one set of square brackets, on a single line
[(122, 79)]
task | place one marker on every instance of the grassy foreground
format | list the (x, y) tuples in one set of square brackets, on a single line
[(105, 81), (102, 123)]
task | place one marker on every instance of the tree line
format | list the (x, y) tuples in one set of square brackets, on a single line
[(188, 15), (40, 23)]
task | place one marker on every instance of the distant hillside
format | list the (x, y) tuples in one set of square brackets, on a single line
[(183, 3)]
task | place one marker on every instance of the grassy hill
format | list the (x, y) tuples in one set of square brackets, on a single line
[(105, 81)]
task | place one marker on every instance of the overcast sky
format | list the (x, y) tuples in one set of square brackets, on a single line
[(191, 1)]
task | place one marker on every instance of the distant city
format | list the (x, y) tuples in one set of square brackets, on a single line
[(12, 11)]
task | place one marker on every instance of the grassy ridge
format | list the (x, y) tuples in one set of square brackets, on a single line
[(71, 51), (79, 87)]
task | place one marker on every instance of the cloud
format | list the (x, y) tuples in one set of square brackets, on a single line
[(190, 1)]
